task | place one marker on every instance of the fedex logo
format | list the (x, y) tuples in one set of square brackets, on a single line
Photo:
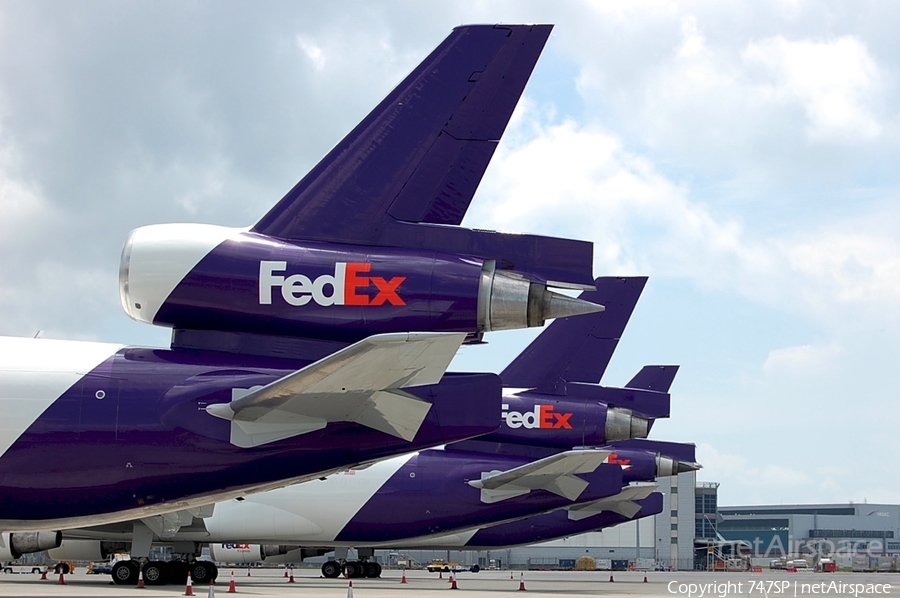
[(614, 458), (543, 417), (236, 546), (342, 288)]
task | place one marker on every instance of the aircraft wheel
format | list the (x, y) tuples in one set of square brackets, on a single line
[(125, 573), (155, 573), (475, 569), (61, 568), (201, 572), (177, 572), (354, 569), (373, 569), (331, 569)]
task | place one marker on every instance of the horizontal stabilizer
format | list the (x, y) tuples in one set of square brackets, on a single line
[(362, 383), (622, 503), (554, 474)]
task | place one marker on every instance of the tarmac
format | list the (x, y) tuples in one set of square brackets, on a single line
[(270, 583)]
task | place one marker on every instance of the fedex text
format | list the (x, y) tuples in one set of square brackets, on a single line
[(346, 286), (543, 417)]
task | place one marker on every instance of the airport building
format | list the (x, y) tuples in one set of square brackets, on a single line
[(665, 540), (692, 530), (784, 530)]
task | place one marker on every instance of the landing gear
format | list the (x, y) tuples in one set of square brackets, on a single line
[(358, 569), (331, 569), (203, 571), (177, 572), (125, 573), (155, 573), (373, 570)]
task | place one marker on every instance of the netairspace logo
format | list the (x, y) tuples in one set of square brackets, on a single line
[(777, 588), (341, 288)]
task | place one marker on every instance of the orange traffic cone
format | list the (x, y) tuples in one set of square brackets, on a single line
[(645, 579), (453, 582), (212, 589), (441, 574), (62, 578), (189, 586), (140, 577), (44, 574), (611, 579), (291, 576), (248, 571), (232, 589), (510, 576), (403, 579), (285, 574), (350, 589), (522, 582)]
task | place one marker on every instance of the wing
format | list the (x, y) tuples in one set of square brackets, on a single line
[(362, 383), (622, 503), (554, 474), (421, 153)]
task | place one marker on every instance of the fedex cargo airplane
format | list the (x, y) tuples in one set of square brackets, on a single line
[(312, 341), (524, 469)]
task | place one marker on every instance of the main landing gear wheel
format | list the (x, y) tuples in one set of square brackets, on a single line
[(155, 573), (372, 569), (177, 572), (331, 569), (125, 573), (203, 571), (354, 569)]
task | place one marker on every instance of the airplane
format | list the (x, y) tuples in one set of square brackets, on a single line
[(312, 341), (518, 471), (634, 502), (405, 501)]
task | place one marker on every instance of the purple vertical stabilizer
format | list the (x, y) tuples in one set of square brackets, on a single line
[(658, 378), (577, 350), (412, 166)]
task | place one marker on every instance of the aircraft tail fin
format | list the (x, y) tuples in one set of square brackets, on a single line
[(412, 166), (654, 377), (421, 153), (577, 350)]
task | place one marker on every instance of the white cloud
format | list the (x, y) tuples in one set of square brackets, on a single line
[(835, 82), (802, 360), (312, 51), (582, 182)]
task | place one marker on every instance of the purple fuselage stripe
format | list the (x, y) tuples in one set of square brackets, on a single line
[(149, 440)]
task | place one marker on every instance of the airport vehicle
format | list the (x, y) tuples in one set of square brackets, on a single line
[(441, 565), (279, 369), (12, 567)]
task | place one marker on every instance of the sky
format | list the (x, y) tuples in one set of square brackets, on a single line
[(743, 155)]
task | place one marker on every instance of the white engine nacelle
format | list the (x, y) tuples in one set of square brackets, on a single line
[(79, 550), (236, 553), (155, 258)]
